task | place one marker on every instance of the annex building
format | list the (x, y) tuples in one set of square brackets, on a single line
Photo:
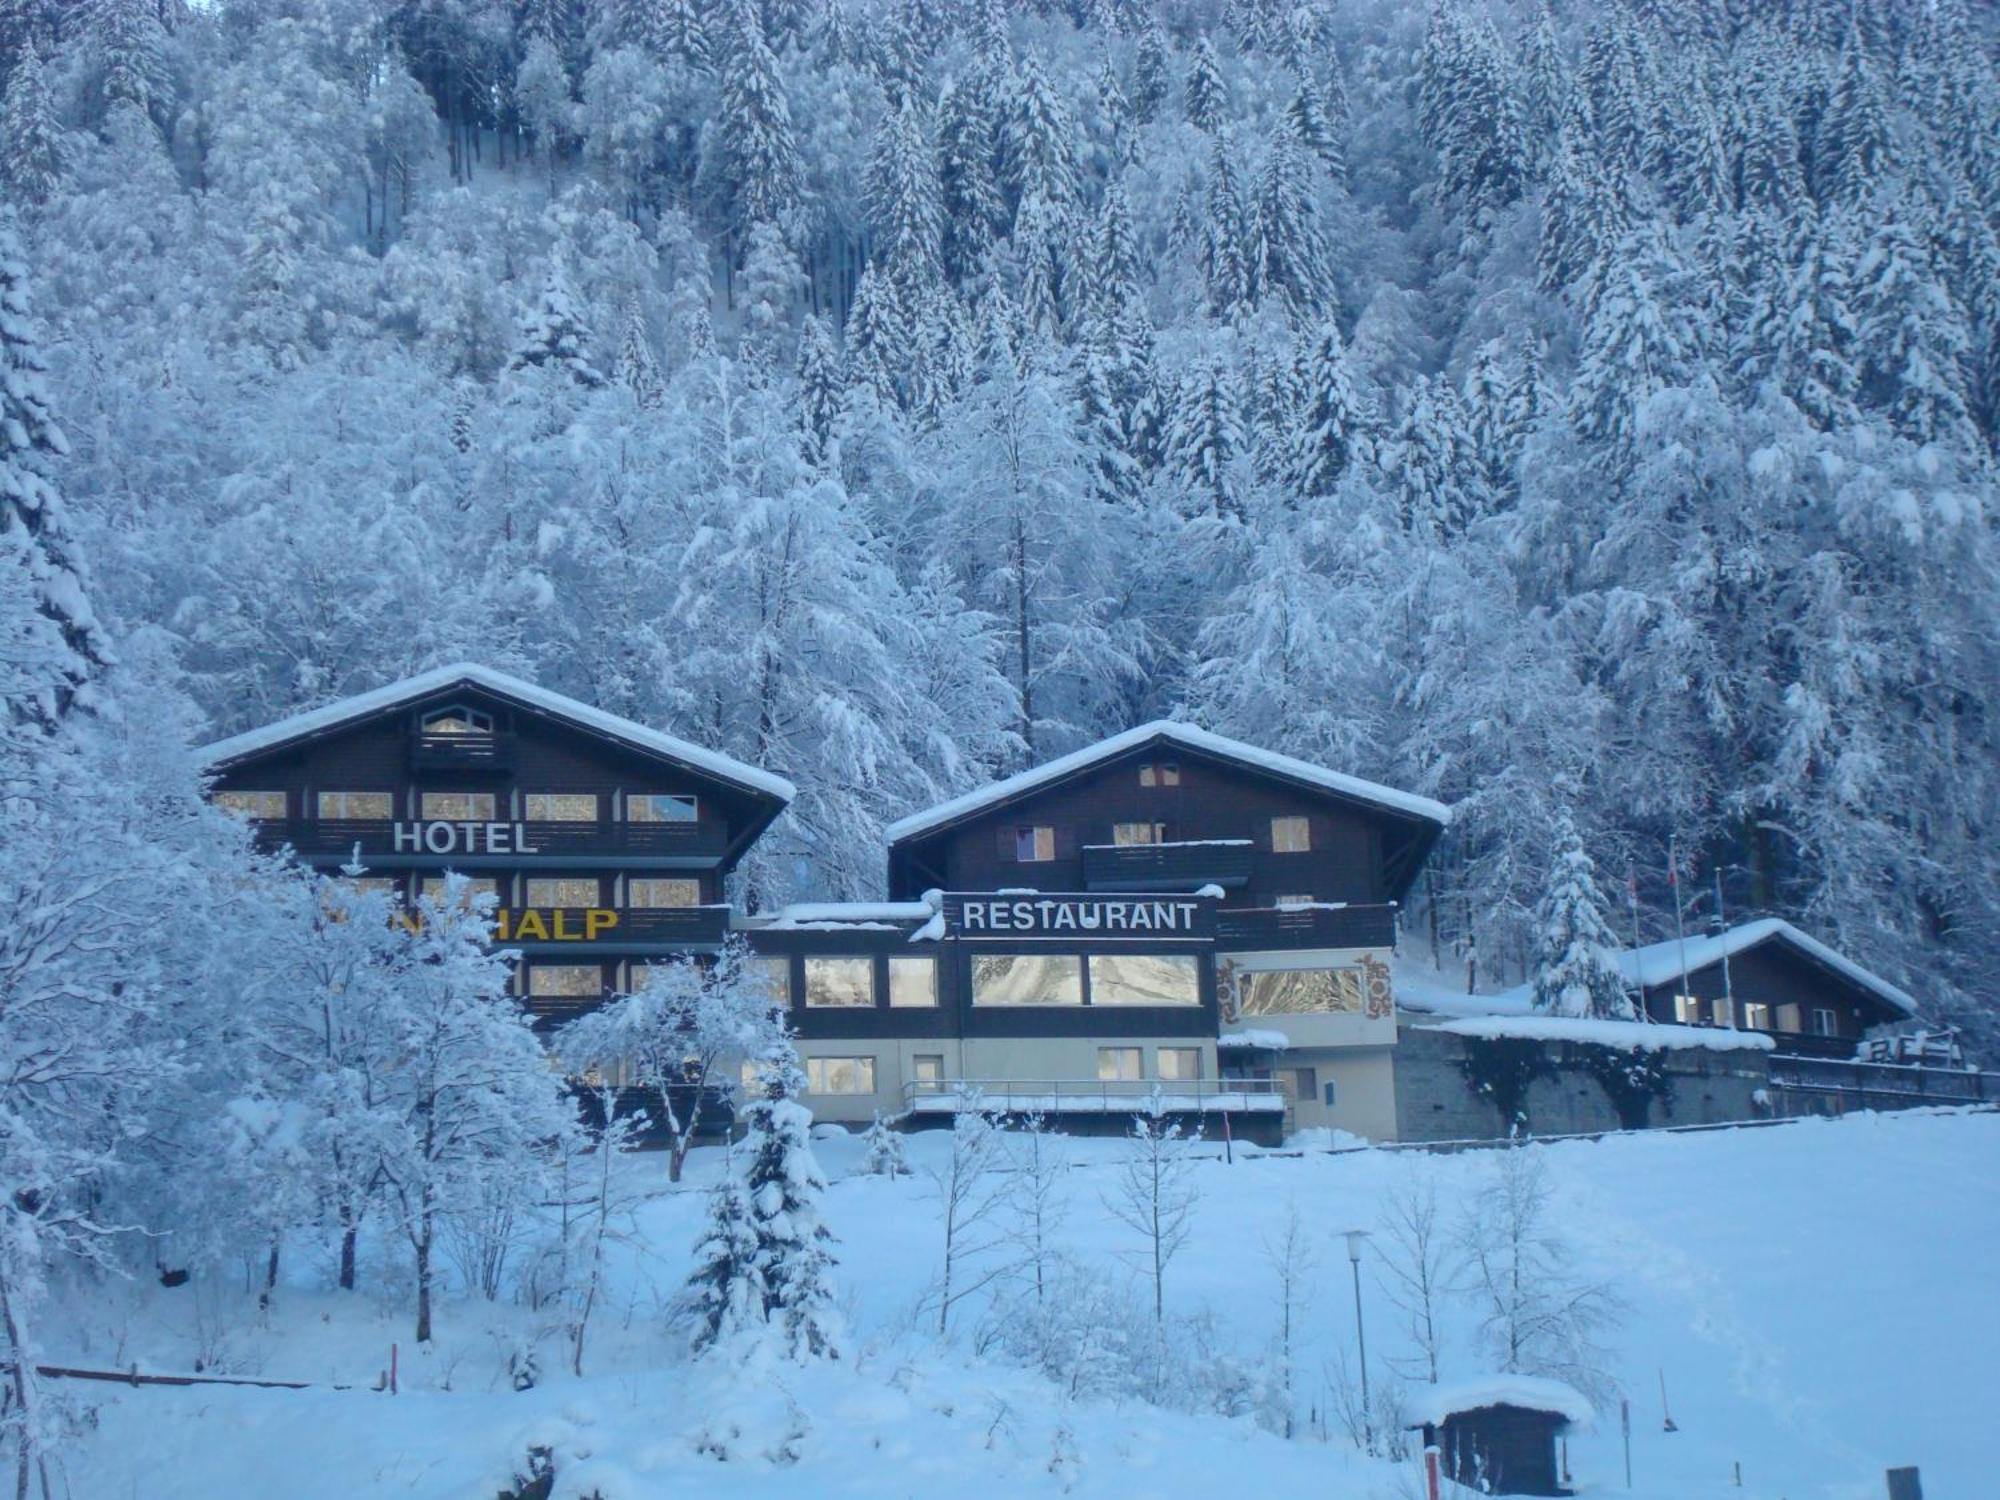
[(1166, 911)]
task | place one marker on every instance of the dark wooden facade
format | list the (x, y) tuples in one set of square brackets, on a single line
[(1501, 1450), (524, 746), (1807, 1005), (1212, 820)]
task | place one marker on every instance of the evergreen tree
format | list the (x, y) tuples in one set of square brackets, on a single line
[(783, 1186), (770, 288), (1206, 439), (31, 162), (904, 197), (973, 206), (1040, 141), (1911, 338), (553, 335), (1151, 79), (1207, 96), (820, 387), (1288, 252), (1434, 464), (1332, 431), (726, 1293), (637, 370), (1634, 343), (884, 1156), (1306, 117), (34, 527), (757, 160), (1576, 965)]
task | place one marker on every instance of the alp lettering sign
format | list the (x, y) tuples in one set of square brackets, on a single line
[(554, 924), (1080, 918), (463, 838)]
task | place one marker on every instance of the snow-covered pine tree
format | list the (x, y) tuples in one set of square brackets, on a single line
[(904, 198), (1039, 141), (1576, 969), (974, 208), (1333, 429), (31, 162), (553, 334), (726, 1292), (1205, 94), (884, 1156), (34, 527), (784, 1185), (756, 169)]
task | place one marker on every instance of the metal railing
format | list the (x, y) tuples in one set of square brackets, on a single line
[(1905, 1082), (1262, 927), (1097, 1096), (697, 841), (1139, 867), (430, 751)]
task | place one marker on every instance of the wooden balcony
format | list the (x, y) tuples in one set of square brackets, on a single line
[(1167, 867), (1260, 929), (430, 751), (527, 845), (550, 929)]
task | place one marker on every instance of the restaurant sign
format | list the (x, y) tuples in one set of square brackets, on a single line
[(1035, 916)]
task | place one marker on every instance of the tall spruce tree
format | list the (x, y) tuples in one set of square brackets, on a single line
[(1575, 964)]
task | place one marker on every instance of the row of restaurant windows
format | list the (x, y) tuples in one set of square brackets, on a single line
[(468, 807), (857, 1075), (1756, 1015), (1035, 843), (629, 892)]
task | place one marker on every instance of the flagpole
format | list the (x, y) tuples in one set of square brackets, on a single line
[(1728, 990), (1632, 897)]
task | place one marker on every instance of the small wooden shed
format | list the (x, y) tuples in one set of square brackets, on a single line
[(1498, 1435)]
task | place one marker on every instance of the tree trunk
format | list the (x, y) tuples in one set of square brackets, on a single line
[(426, 1230), (349, 1236)]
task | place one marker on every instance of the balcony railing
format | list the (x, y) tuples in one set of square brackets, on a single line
[(580, 926), (1094, 1096), (1166, 867), (665, 845), (1257, 928), (1903, 1082), (461, 752)]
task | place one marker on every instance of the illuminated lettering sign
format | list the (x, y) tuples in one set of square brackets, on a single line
[(553, 924), (463, 838), (1081, 918)]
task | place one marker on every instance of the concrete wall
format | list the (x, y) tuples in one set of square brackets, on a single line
[(1435, 1102)]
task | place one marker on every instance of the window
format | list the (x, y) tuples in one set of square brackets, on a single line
[(457, 720), (1143, 979), (359, 807), (840, 984), (1160, 773), (1291, 835), (560, 807), (1036, 845), (1027, 979), (1180, 1064), (1688, 1010), (840, 1075), (562, 890), (1295, 992), (433, 887), (1756, 1015), (1293, 900), (746, 1074), (1119, 1065), (1138, 833), (1824, 1022), (652, 891), (927, 1068), (913, 981), (566, 981), (252, 804), (378, 885), (1725, 1012), (1298, 1083), (659, 807), (776, 973), (458, 807)]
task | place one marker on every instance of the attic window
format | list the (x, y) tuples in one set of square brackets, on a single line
[(457, 720), (1160, 773)]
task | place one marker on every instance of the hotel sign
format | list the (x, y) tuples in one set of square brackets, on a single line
[(553, 924), (463, 838), (1036, 916)]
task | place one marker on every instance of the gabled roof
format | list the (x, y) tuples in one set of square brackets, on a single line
[(515, 690), (1661, 963), (1187, 736), (1438, 1403)]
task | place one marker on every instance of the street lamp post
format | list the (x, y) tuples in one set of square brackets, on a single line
[(1354, 1239)]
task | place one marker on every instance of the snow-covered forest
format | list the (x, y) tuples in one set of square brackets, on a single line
[(1580, 407)]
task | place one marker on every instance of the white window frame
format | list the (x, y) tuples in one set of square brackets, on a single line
[(863, 961)]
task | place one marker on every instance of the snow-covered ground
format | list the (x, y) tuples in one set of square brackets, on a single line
[(1820, 1297)]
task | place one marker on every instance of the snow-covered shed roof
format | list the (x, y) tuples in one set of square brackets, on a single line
[(514, 689), (1435, 1403), (1189, 737), (1650, 1035), (1661, 963)]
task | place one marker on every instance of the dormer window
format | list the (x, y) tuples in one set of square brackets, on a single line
[(457, 719)]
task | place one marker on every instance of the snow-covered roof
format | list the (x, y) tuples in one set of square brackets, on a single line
[(1661, 963), (1188, 737), (1435, 1403), (825, 916), (1625, 1034), (443, 679), (1270, 1041)]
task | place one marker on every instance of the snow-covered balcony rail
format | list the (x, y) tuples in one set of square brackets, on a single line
[(1902, 1081), (1169, 866), (1317, 924), (390, 844), (432, 751), (1094, 1096)]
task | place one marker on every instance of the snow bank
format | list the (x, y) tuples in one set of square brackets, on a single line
[(1627, 1034), (1437, 1402)]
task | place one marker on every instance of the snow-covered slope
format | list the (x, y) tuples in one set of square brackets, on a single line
[(1818, 1298)]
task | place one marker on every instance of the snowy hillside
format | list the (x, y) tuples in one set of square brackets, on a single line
[(1818, 1297)]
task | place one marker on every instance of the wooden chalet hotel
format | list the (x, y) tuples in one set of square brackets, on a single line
[(1165, 909)]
